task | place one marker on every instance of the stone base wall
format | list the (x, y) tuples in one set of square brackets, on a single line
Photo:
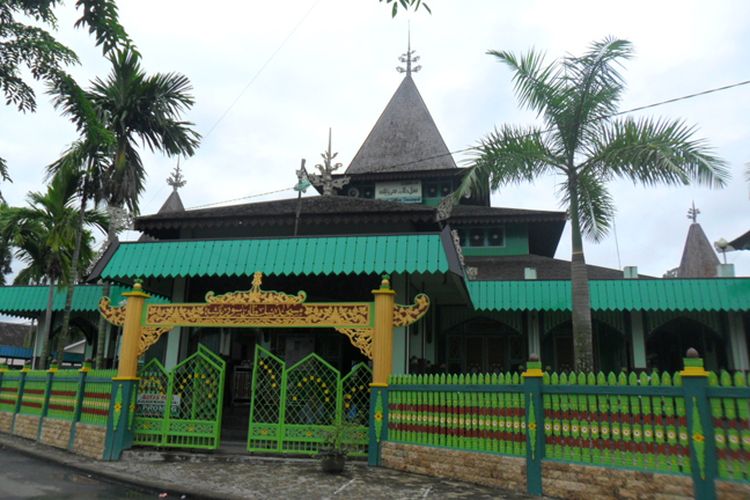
[(26, 426), (56, 432), (561, 480), (6, 421), (90, 440), (576, 481), (481, 468), (732, 491)]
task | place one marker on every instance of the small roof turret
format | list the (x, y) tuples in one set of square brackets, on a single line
[(698, 257), (405, 137)]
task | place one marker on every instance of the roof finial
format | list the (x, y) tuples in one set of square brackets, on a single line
[(408, 57), (326, 169), (175, 179), (693, 213)]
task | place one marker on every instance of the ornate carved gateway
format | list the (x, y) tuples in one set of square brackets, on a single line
[(145, 323)]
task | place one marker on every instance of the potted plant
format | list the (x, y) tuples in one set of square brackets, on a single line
[(336, 444)]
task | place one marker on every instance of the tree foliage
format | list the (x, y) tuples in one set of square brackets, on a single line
[(406, 5), (586, 144), (33, 48)]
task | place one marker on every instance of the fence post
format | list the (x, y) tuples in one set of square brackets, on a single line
[(3, 369), (700, 426), (532, 384), (47, 393), (378, 423), (78, 403), (19, 395)]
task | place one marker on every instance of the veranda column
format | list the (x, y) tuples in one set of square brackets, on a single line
[(382, 365), (637, 338), (737, 342)]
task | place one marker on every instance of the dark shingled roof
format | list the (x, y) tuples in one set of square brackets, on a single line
[(698, 257), (336, 209), (13, 334), (326, 208), (468, 214), (172, 204), (405, 137), (742, 242), (511, 268)]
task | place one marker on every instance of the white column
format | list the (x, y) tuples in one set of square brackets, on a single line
[(737, 341), (637, 339), (533, 334), (400, 334), (174, 336)]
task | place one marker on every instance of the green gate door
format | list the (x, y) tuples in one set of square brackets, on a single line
[(182, 408), (292, 409)]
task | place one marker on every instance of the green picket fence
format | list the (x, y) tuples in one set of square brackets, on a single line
[(466, 412), (695, 426), (58, 394), (63, 394), (9, 390)]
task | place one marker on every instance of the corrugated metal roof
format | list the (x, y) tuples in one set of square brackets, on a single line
[(413, 253), (720, 294), (25, 300)]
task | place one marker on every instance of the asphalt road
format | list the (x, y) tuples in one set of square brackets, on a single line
[(24, 477)]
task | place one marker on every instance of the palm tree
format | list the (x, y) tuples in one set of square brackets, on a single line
[(586, 144), (134, 107), (42, 235)]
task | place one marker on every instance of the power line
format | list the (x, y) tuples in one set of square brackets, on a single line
[(470, 148), (260, 70), (241, 198), (545, 131)]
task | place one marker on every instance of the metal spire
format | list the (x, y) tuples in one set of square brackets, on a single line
[(408, 57), (693, 213), (176, 179)]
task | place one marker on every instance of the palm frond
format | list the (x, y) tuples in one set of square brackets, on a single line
[(595, 205), (508, 156), (537, 84), (651, 151)]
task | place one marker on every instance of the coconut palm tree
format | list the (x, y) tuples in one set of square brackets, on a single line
[(134, 108), (42, 236), (586, 144)]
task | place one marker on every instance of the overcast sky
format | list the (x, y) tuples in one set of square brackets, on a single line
[(331, 63)]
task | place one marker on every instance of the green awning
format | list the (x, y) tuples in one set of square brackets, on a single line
[(412, 253), (29, 301), (719, 294)]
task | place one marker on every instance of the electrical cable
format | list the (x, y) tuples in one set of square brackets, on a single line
[(470, 148)]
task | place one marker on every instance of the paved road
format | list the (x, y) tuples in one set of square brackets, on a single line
[(24, 477)]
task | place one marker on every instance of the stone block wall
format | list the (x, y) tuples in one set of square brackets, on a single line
[(90, 440), (26, 426), (560, 480), (481, 468), (576, 481), (6, 421), (56, 432)]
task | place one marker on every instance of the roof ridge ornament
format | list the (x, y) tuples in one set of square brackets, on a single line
[(408, 58), (176, 179), (325, 178)]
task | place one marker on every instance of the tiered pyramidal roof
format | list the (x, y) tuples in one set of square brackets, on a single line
[(405, 137)]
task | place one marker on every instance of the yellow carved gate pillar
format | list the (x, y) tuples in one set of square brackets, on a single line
[(382, 341), (127, 367)]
